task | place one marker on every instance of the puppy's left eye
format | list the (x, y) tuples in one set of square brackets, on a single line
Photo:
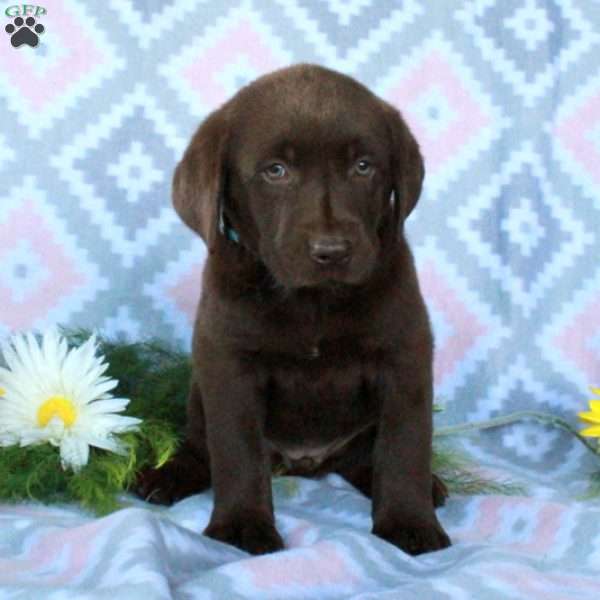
[(363, 167), (275, 171)]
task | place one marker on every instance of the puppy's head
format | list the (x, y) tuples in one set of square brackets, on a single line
[(313, 172)]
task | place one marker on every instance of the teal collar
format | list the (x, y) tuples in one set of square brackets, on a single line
[(227, 230)]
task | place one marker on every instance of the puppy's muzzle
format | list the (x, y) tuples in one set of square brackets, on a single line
[(330, 251)]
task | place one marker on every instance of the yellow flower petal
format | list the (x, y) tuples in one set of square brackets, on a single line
[(2, 392), (595, 405), (590, 417), (591, 431), (595, 391)]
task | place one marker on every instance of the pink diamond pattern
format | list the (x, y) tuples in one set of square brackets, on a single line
[(576, 133), (464, 328), (80, 58), (239, 39), (434, 73), (434, 70), (63, 277), (243, 46), (176, 290), (185, 293), (576, 341), (452, 118)]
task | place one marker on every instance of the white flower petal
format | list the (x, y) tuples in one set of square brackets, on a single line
[(14, 408), (48, 379), (21, 365), (86, 381), (35, 355), (54, 431), (109, 443), (13, 361), (102, 425), (74, 453), (8, 438), (117, 423), (5, 375), (50, 349), (108, 405), (54, 349), (100, 388), (34, 436), (70, 370), (82, 359), (26, 346)]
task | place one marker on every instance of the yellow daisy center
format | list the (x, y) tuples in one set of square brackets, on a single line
[(57, 406), (2, 392)]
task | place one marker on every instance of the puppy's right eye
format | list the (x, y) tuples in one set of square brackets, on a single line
[(275, 172), (363, 167)]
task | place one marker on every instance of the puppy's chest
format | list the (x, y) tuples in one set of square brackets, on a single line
[(308, 339), (313, 413), (321, 368)]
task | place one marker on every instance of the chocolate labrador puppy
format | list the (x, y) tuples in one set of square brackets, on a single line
[(312, 348)]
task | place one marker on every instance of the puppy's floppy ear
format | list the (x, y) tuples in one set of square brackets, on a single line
[(198, 182), (408, 170)]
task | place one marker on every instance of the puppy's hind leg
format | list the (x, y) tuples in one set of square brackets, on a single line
[(188, 472), (356, 467)]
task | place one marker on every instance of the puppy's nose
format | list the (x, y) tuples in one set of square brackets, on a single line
[(330, 250)]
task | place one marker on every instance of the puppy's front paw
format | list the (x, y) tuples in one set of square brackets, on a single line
[(414, 536), (248, 532)]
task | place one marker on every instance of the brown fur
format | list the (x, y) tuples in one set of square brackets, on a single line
[(312, 347)]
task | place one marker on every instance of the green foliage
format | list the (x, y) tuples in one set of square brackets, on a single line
[(31, 473), (155, 379), (35, 472), (593, 491), (461, 477)]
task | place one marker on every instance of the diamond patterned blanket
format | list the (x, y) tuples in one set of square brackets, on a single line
[(540, 546), (99, 99)]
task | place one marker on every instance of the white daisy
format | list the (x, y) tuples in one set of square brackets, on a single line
[(52, 394)]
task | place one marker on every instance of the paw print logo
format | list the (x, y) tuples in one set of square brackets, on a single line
[(24, 32)]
